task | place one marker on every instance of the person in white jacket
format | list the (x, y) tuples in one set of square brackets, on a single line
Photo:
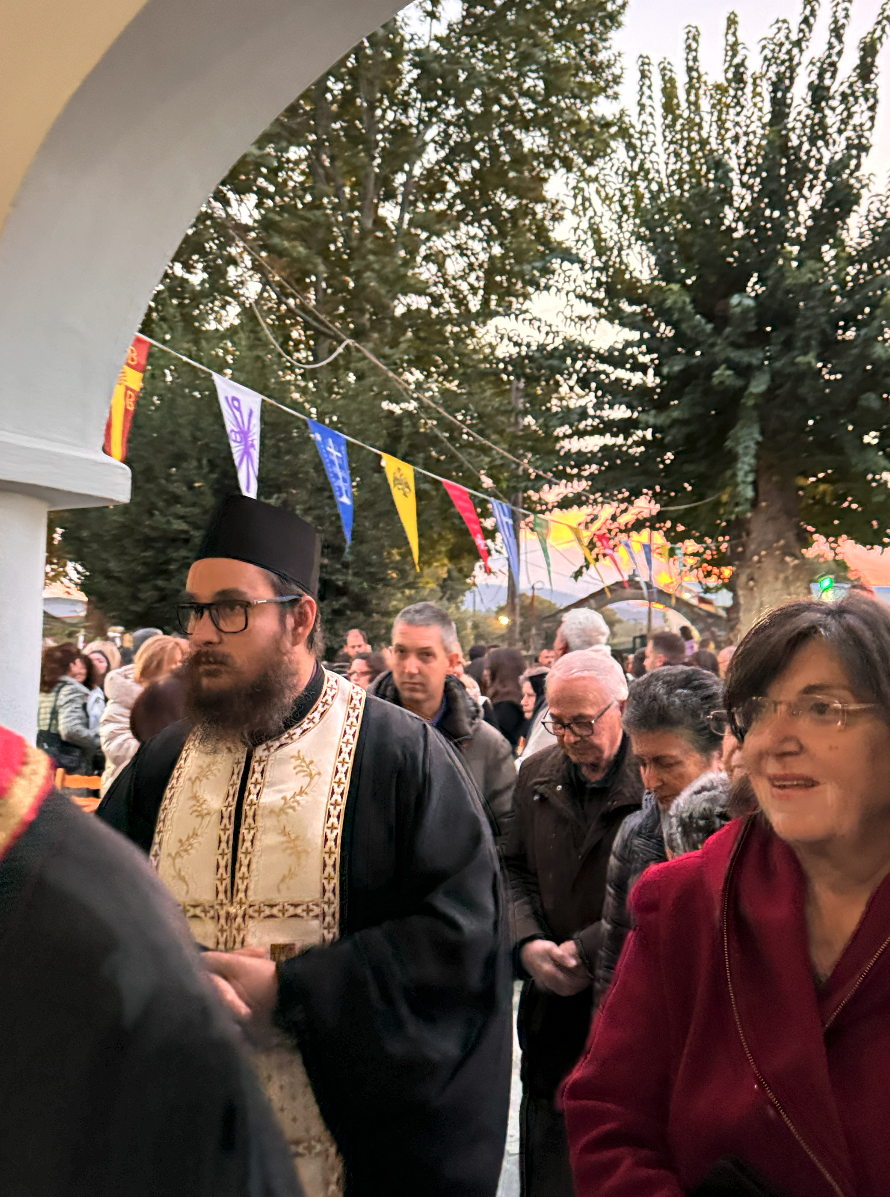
[(156, 658)]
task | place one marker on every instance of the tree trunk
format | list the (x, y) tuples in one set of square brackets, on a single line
[(770, 568)]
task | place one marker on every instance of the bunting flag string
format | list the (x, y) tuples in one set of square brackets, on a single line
[(503, 514), (460, 496), (400, 476), (541, 529), (241, 413), (123, 400), (332, 448), (241, 408), (588, 556)]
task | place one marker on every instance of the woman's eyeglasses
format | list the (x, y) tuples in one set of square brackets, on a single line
[(814, 710)]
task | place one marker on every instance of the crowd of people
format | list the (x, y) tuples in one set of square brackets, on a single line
[(99, 703), (681, 856)]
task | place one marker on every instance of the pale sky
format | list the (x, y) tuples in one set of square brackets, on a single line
[(656, 28)]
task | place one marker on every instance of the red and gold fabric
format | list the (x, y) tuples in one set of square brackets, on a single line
[(26, 778), (123, 401)]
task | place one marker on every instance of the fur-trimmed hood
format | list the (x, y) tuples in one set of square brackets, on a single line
[(696, 813)]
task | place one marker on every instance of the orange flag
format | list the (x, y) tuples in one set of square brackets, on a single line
[(123, 401)]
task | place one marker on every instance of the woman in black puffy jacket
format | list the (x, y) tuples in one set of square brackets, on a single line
[(674, 720)]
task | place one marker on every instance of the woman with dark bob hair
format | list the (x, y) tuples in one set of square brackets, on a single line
[(744, 1046)]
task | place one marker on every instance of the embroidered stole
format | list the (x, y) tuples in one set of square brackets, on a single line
[(284, 892)]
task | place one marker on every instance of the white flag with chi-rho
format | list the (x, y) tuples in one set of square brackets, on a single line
[(241, 412)]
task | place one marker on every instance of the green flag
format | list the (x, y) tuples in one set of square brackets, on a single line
[(542, 531)]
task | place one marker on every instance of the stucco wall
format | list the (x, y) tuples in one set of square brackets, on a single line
[(114, 182), (183, 90), (47, 49)]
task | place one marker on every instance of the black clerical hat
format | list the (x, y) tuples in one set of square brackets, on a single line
[(270, 537)]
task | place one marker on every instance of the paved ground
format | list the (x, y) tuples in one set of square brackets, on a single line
[(509, 1186)]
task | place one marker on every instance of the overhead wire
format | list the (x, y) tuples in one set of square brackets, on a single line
[(293, 361), (343, 345), (407, 391)]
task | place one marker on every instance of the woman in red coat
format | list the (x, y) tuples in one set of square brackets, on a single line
[(746, 1037)]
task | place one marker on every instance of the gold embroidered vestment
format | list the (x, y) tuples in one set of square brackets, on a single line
[(281, 886)]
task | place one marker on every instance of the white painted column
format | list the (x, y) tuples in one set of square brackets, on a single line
[(22, 569)]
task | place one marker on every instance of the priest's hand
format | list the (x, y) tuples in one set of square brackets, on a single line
[(555, 967), (247, 984)]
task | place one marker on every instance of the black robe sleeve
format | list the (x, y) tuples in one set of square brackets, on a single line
[(404, 1022), (120, 1072)]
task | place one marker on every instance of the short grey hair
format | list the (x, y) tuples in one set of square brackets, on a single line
[(678, 698), (597, 663), (583, 628), (428, 615)]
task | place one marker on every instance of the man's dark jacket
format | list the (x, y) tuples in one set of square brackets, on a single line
[(404, 1022), (121, 1074), (556, 859), (482, 748)]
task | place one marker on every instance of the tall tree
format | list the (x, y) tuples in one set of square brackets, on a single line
[(408, 199), (745, 270)]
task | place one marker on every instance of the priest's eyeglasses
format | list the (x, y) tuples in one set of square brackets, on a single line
[(815, 710), (228, 615), (580, 728)]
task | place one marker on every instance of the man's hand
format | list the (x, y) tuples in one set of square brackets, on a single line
[(247, 984), (555, 967)]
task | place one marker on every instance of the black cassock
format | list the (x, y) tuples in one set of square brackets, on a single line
[(120, 1073), (404, 1022)]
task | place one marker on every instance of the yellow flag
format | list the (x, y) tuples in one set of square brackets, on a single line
[(576, 532), (401, 482), (589, 557)]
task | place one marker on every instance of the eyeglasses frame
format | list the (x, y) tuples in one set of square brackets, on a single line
[(549, 722), (203, 609), (844, 708)]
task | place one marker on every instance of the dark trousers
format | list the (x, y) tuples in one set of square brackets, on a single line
[(544, 1168), (552, 1033)]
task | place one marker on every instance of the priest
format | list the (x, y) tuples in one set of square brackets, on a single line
[(330, 853)]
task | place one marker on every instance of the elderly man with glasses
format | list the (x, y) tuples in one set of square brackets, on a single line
[(570, 802)]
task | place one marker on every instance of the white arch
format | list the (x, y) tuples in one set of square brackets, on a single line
[(136, 151)]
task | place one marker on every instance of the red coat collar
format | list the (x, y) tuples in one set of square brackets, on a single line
[(766, 951), (26, 778)]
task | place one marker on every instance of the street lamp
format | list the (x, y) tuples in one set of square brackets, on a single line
[(533, 633)]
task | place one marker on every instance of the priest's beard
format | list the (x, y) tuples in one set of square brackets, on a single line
[(249, 712)]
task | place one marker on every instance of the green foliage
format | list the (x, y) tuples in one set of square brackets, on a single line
[(407, 195), (746, 271)]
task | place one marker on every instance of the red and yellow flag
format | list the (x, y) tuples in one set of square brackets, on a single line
[(123, 401)]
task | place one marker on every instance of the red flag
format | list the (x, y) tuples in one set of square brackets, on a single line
[(606, 545), (461, 498), (123, 401)]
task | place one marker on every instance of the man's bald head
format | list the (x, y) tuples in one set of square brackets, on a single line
[(596, 664), (586, 692)]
